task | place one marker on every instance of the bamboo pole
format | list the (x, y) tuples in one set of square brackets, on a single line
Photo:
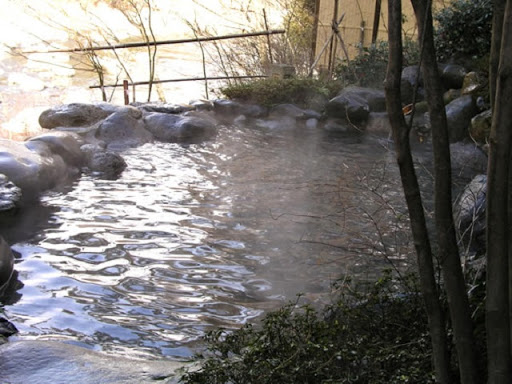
[(162, 42), (268, 37), (179, 80)]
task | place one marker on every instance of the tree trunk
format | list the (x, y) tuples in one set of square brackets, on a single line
[(494, 59), (413, 198), (445, 227), (498, 216)]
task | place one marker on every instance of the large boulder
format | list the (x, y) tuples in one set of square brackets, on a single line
[(452, 75), (181, 129), (108, 164), (480, 127), (29, 170), (355, 104), (467, 160), (75, 115), (469, 213), (65, 144), (411, 80), (459, 114), (123, 129)]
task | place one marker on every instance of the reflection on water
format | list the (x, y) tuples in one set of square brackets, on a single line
[(201, 236)]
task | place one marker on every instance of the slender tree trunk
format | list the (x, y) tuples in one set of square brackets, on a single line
[(411, 188), (497, 30), (498, 216), (445, 227)]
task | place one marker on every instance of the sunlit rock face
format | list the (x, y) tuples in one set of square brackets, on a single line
[(124, 129), (75, 115), (31, 170)]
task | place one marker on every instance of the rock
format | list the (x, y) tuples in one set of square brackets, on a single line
[(452, 75), (173, 109), (52, 362), (162, 126), (123, 129), (75, 115), (7, 328), (467, 160), (291, 110), (459, 114), (472, 83), (451, 95), (31, 171), (408, 82), (65, 144), (6, 263), (109, 164), (202, 105), (181, 129), (231, 108), (349, 105), (355, 103), (480, 127), (10, 194), (469, 212)]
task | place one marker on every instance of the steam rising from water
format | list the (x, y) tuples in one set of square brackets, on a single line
[(195, 237)]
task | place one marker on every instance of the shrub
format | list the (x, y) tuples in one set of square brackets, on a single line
[(374, 337), (272, 91), (368, 69), (464, 30)]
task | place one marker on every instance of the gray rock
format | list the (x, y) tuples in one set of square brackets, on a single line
[(6, 263), (75, 115), (356, 103), (459, 113), (467, 160), (65, 144), (231, 108), (109, 164), (349, 107), (123, 129), (202, 105), (172, 109), (31, 171), (409, 80), (181, 129), (452, 75), (51, 362), (480, 127), (10, 194), (469, 212)]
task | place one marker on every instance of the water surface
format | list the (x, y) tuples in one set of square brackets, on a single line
[(190, 238)]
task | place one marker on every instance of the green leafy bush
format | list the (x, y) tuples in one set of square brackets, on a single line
[(368, 69), (272, 91), (464, 30), (374, 337)]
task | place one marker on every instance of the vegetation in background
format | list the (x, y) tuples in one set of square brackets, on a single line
[(368, 68), (463, 30), (272, 91)]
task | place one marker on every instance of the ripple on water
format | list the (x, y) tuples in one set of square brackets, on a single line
[(188, 238)]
